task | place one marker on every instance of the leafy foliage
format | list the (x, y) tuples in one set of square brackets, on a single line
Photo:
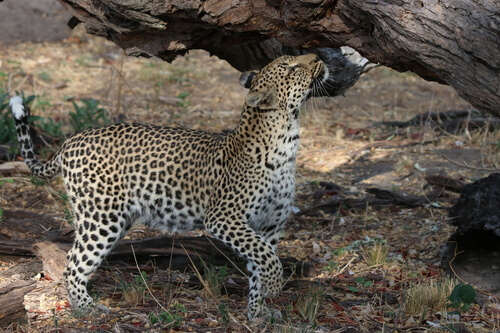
[(361, 282), (182, 99), (172, 317), (7, 123), (48, 126), (462, 297), (88, 115)]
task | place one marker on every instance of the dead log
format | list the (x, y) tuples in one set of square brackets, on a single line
[(449, 121), (380, 198), (25, 269), (449, 41), (16, 248), (11, 300), (478, 207), (405, 199), (174, 252), (445, 182), (53, 257), (179, 252), (472, 251), (14, 168), (23, 291)]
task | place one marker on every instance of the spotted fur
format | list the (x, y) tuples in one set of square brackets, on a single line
[(238, 186)]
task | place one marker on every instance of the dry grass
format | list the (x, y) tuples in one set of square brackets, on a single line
[(429, 295), (309, 304), (375, 255), (134, 296)]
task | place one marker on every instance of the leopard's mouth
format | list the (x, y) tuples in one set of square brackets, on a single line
[(322, 73), (320, 76)]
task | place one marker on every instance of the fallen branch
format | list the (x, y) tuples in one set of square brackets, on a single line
[(432, 117), (381, 198), (405, 199), (447, 183), (465, 165)]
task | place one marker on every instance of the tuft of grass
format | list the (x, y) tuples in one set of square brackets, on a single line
[(214, 279), (134, 292), (84, 60), (154, 70), (183, 103), (422, 297), (224, 314), (94, 293), (375, 255), (292, 328), (45, 76), (309, 304)]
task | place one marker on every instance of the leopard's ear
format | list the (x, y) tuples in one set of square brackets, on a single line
[(247, 77), (265, 98)]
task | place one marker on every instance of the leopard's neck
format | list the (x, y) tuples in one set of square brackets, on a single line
[(274, 133)]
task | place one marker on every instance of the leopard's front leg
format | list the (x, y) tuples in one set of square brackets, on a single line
[(264, 267), (264, 283)]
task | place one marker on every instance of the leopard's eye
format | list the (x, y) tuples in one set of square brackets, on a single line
[(293, 69)]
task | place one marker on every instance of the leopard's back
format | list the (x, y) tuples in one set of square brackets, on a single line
[(159, 176)]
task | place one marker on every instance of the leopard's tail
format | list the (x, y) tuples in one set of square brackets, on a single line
[(39, 169)]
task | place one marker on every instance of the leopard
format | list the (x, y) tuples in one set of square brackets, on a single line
[(238, 186)]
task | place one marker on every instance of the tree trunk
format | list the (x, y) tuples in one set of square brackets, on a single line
[(449, 41)]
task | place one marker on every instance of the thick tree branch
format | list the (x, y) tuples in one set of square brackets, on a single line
[(449, 41)]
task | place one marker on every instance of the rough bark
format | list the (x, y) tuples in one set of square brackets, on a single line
[(478, 209), (472, 251), (172, 252), (11, 300), (449, 41)]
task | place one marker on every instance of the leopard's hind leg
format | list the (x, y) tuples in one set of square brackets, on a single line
[(95, 236)]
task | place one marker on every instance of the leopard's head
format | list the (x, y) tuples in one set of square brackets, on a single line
[(285, 83)]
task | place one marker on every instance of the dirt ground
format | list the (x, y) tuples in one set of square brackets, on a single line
[(35, 21), (342, 143)]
